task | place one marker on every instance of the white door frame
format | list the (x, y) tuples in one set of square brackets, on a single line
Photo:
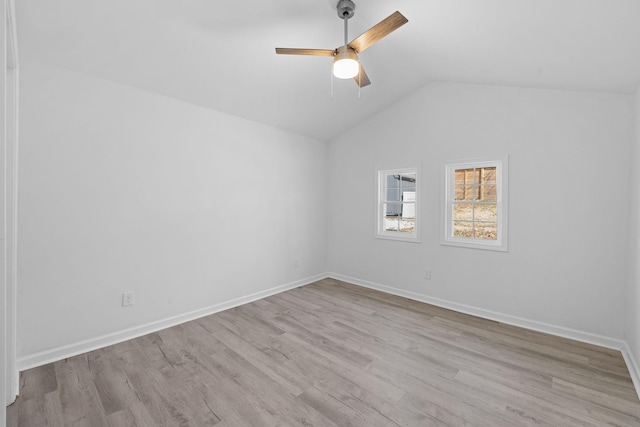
[(10, 202)]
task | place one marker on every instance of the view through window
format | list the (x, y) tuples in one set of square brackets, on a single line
[(475, 206), (475, 203), (398, 203)]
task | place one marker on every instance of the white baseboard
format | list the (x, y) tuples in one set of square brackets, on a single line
[(38, 359), (632, 365), (587, 337), (16, 386)]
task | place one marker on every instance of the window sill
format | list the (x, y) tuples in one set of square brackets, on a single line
[(470, 244), (411, 239)]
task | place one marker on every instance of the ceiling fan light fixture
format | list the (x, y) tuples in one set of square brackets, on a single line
[(345, 63)]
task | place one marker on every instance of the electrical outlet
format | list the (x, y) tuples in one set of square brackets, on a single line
[(127, 298), (296, 262), (427, 274)]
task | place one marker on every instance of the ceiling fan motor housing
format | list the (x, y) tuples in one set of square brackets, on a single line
[(346, 9)]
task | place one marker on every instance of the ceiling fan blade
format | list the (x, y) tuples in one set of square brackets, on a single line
[(378, 31), (312, 52), (362, 79)]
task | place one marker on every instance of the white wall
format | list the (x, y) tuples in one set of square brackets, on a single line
[(632, 332), (122, 189), (569, 190)]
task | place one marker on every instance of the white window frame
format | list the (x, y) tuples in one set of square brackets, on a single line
[(502, 173), (381, 186)]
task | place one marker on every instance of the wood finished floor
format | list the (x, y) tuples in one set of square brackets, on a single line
[(330, 354)]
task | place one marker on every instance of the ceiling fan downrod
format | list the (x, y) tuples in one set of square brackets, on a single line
[(346, 9)]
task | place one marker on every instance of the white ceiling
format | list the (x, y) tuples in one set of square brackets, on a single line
[(220, 54)]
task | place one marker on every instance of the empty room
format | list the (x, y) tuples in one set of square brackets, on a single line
[(320, 213)]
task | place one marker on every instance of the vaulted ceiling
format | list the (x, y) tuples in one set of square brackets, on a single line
[(220, 54)]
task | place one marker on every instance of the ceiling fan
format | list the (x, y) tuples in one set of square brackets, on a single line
[(345, 58)]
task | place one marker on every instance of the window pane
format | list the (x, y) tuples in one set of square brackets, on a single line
[(392, 213), (408, 178), (393, 195), (409, 186), (393, 181), (484, 213), (392, 209), (391, 223), (463, 211), (487, 193), (407, 225), (471, 176), (488, 175), (486, 230), (411, 176), (408, 210), (408, 196), (462, 229), (466, 176), (465, 192)]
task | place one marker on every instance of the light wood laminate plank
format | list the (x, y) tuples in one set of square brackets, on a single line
[(333, 354)]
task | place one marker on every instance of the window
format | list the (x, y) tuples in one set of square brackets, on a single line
[(398, 204), (475, 204)]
